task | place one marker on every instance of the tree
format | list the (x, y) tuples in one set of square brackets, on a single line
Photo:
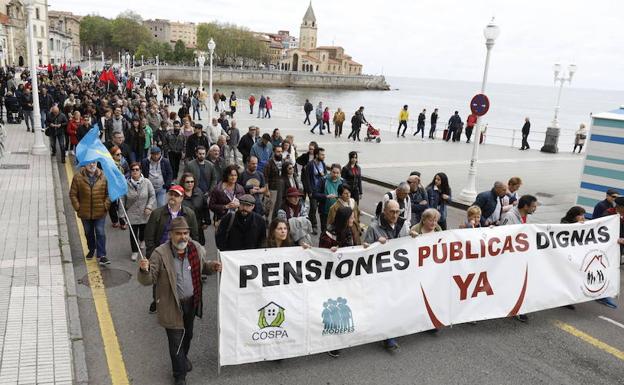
[(128, 34), (181, 53), (96, 32), (234, 43), (130, 14)]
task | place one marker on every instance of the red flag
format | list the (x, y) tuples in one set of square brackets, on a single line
[(79, 72), (64, 67), (111, 76), (49, 68), (104, 77), (129, 84)]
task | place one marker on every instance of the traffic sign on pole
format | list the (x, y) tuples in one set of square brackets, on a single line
[(480, 104)]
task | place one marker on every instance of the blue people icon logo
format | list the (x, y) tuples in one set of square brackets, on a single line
[(337, 317)]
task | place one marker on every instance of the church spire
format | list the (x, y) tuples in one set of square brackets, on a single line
[(309, 15)]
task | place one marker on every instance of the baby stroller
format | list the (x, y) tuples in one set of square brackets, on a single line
[(372, 134), (13, 110)]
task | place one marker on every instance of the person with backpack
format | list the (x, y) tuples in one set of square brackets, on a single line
[(356, 123), (454, 127), (401, 196)]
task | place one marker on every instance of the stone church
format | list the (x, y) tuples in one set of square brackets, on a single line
[(310, 58)]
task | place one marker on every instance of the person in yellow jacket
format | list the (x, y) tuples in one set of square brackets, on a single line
[(339, 118), (403, 118)]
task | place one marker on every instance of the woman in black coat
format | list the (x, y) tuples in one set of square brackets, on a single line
[(352, 175)]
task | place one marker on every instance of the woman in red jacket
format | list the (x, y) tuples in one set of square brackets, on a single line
[(269, 107), (252, 101), (326, 115), (72, 131)]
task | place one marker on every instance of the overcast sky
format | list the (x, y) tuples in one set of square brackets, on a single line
[(440, 39)]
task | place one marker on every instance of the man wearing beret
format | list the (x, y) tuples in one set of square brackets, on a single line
[(175, 268), (243, 229)]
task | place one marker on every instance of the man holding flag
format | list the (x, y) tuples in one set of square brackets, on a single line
[(92, 191)]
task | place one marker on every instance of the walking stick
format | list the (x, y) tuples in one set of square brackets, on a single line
[(136, 241)]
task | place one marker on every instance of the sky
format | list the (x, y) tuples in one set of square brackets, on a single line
[(435, 39)]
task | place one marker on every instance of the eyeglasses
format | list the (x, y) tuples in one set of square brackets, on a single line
[(613, 196), (189, 181), (136, 169)]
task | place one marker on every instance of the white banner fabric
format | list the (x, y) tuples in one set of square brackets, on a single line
[(287, 302)]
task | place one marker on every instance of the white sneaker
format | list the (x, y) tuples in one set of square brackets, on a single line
[(134, 256)]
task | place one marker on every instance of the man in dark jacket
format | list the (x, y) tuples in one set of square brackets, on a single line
[(525, 134), (196, 140), (246, 143), (315, 173), (454, 127), (307, 108), (45, 104), (118, 140), (157, 169), (491, 204), (418, 197), (26, 102), (602, 207), (57, 121), (242, 230)]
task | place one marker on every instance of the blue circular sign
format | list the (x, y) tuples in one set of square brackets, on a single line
[(480, 104)]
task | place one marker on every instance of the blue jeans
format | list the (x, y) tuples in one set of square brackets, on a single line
[(161, 197), (28, 117), (96, 237)]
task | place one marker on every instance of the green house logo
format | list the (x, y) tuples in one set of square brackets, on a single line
[(271, 315)]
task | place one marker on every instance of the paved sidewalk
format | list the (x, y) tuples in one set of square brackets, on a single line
[(35, 346)]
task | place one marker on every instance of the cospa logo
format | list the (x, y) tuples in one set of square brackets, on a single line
[(337, 317), (270, 319), (595, 273)]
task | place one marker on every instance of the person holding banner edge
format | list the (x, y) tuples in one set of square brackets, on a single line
[(389, 226), (175, 268)]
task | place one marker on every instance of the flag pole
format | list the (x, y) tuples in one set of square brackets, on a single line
[(130, 227)]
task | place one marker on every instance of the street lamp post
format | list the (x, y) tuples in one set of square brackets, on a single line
[(469, 193), (157, 72), (128, 62), (552, 132), (119, 58), (211, 48), (103, 60), (89, 55), (142, 61), (201, 60), (38, 148)]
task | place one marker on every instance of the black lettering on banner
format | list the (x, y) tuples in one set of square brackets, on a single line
[(380, 260), (266, 274), (297, 274), (328, 269), (247, 272), (542, 241), (314, 270), (577, 238), (346, 262), (366, 264), (402, 261), (603, 233), (565, 235), (591, 237)]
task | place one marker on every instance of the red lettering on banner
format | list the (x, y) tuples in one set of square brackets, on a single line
[(491, 250), (508, 246), (522, 242), (423, 252), (483, 285), (463, 285), (456, 253), (469, 253)]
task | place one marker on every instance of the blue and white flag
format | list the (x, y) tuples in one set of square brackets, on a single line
[(90, 149)]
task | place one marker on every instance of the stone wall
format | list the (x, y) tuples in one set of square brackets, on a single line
[(190, 75)]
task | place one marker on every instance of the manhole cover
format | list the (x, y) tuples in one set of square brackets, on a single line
[(20, 152), (9, 166), (110, 278)]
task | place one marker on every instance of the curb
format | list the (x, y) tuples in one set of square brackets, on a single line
[(81, 374)]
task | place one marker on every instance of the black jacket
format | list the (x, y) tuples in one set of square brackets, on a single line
[(245, 145), (194, 141), (244, 232), (59, 119), (487, 201), (308, 107), (526, 128)]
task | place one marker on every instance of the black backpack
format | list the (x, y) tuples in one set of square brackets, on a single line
[(379, 207)]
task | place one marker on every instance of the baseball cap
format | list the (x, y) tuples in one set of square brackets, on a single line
[(177, 189), (155, 150), (613, 191)]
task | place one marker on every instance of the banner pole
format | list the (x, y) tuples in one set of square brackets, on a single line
[(131, 230), (218, 318)]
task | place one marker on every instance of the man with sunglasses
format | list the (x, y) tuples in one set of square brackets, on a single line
[(602, 207)]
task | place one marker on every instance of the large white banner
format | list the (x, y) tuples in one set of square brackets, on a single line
[(280, 303)]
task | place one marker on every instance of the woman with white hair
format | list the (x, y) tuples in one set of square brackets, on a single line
[(428, 223)]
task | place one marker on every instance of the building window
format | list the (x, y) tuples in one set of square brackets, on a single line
[(51, 44), (35, 30), (37, 14), (42, 32)]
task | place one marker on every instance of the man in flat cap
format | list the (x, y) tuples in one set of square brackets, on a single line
[(243, 229), (176, 267)]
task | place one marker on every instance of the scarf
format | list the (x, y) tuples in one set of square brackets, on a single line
[(136, 184), (193, 257), (294, 209)]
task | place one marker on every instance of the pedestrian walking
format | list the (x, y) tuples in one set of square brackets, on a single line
[(224, 197), (261, 107), (252, 101), (418, 196), (579, 138), (526, 129), (138, 204), (454, 127), (326, 116), (269, 107), (89, 197), (420, 126), (433, 121), (356, 124), (175, 143), (428, 223), (56, 123), (242, 230), (471, 120), (175, 269), (491, 204), (253, 182), (315, 173), (202, 170), (352, 175), (307, 108), (403, 118), (339, 118), (195, 199), (157, 169), (319, 119)]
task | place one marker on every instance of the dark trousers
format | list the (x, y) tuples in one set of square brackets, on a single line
[(402, 123), (326, 124), (112, 213), (468, 134), (432, 131), (420, 128), (450, 134), (312, 212), (196, 111), (251, 108), (580, 147), (319, 124), (61, 142), (139, 232), (355, 133), (338, 129), (180, 339), (174, 159), (267, 113), (307, 119), (94, 232), (525, 142)]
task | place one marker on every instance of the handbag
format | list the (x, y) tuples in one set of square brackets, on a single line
[(49, 131)]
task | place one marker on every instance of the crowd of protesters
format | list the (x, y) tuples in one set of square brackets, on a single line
[(257, 189)]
